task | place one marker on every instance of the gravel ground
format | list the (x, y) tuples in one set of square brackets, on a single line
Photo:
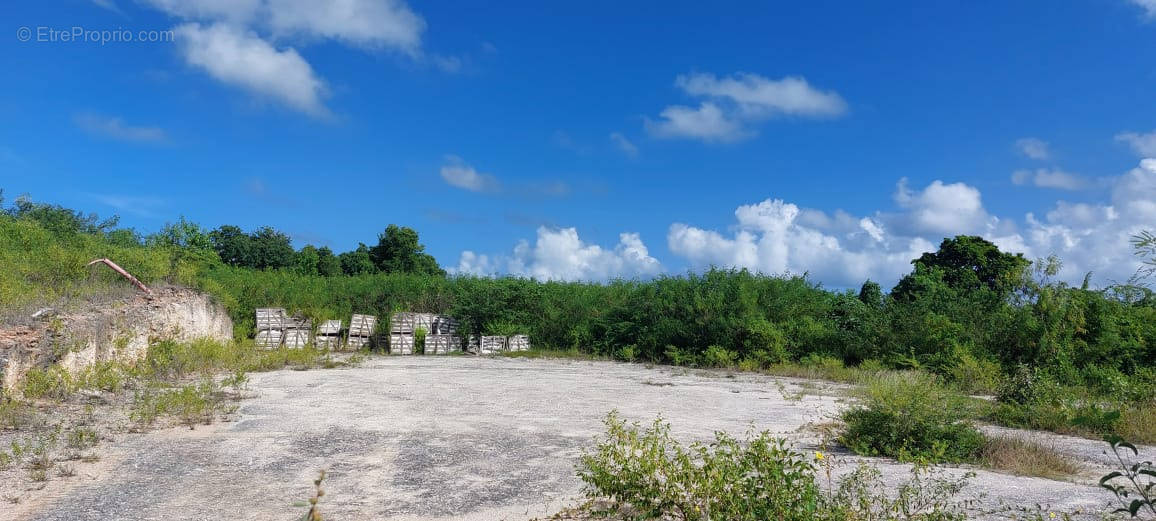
[(430, 438)]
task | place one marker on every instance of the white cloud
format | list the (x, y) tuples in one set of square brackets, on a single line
[(940, 209), (243, 42), (1149, 7), (770, 238), (732, 104), (116, 128), (239, 57), (1033, 148), (624, 144), (457, 173), (707, 122), (1045, 178), (369, 23), (559, 254), (758, 97), (841, 250), (1144, 145)]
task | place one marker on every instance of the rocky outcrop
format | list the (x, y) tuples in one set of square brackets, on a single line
[(119, 330)]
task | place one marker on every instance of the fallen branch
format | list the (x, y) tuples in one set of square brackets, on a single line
[(124, 273)]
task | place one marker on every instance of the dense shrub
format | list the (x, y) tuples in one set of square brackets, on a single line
[(646, 474), (911, 417)]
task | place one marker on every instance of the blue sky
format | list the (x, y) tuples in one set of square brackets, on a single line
[(598, 139)]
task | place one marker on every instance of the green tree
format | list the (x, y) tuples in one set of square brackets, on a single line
[(183, 234), (966, 265), (60, 220), (306, 260), (327, 263), (272, 249), (234, 246), (399, 251), (357, 262), (871, 294)]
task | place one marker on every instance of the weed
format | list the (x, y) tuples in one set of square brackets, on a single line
[(1134, 485), (81, 439), (65, 471), (189, 404), (51, 383), (1026, 458)]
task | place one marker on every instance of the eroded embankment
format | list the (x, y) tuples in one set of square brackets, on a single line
[(119, 330)]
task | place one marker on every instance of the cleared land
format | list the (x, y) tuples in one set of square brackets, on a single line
[(425, 438)]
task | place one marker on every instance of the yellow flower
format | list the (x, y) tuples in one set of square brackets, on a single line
[(1052, 515), (819, 456)]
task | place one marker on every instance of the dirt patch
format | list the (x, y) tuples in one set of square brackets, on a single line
[(430, 438)]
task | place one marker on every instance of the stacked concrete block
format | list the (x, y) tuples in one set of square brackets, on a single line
[(361, 330), (473, 344), (518, 343), (442, 344), (401, 344), (492, 344), (271, 324), (297, 332), (328, 335)]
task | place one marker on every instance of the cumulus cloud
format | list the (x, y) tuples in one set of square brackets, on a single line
[(1045, 178), (115, 128), (1144, 145), (559, 254), (458, 174), (731, 105), (245, 43), (940, 209), (1033, 148), (238, 57), (842, 250)]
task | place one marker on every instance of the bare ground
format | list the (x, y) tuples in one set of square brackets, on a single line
[(430, 438)]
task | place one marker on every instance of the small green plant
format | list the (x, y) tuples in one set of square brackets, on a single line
[(189, 404), (51, 383), (1134, 485), (81, 439), (911, 417)]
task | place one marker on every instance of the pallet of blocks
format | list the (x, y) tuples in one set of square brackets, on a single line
[(328, 335), (402, 323), (270, 324), (491, 345), (473, 345), (361, 329), (442, 344), (518, 343), (401, 344), (297, 332), (443, 325)]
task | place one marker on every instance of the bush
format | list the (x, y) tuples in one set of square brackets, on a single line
[(911, 417), (975, 375), (646, 474), (648, 471), (717, 356)]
